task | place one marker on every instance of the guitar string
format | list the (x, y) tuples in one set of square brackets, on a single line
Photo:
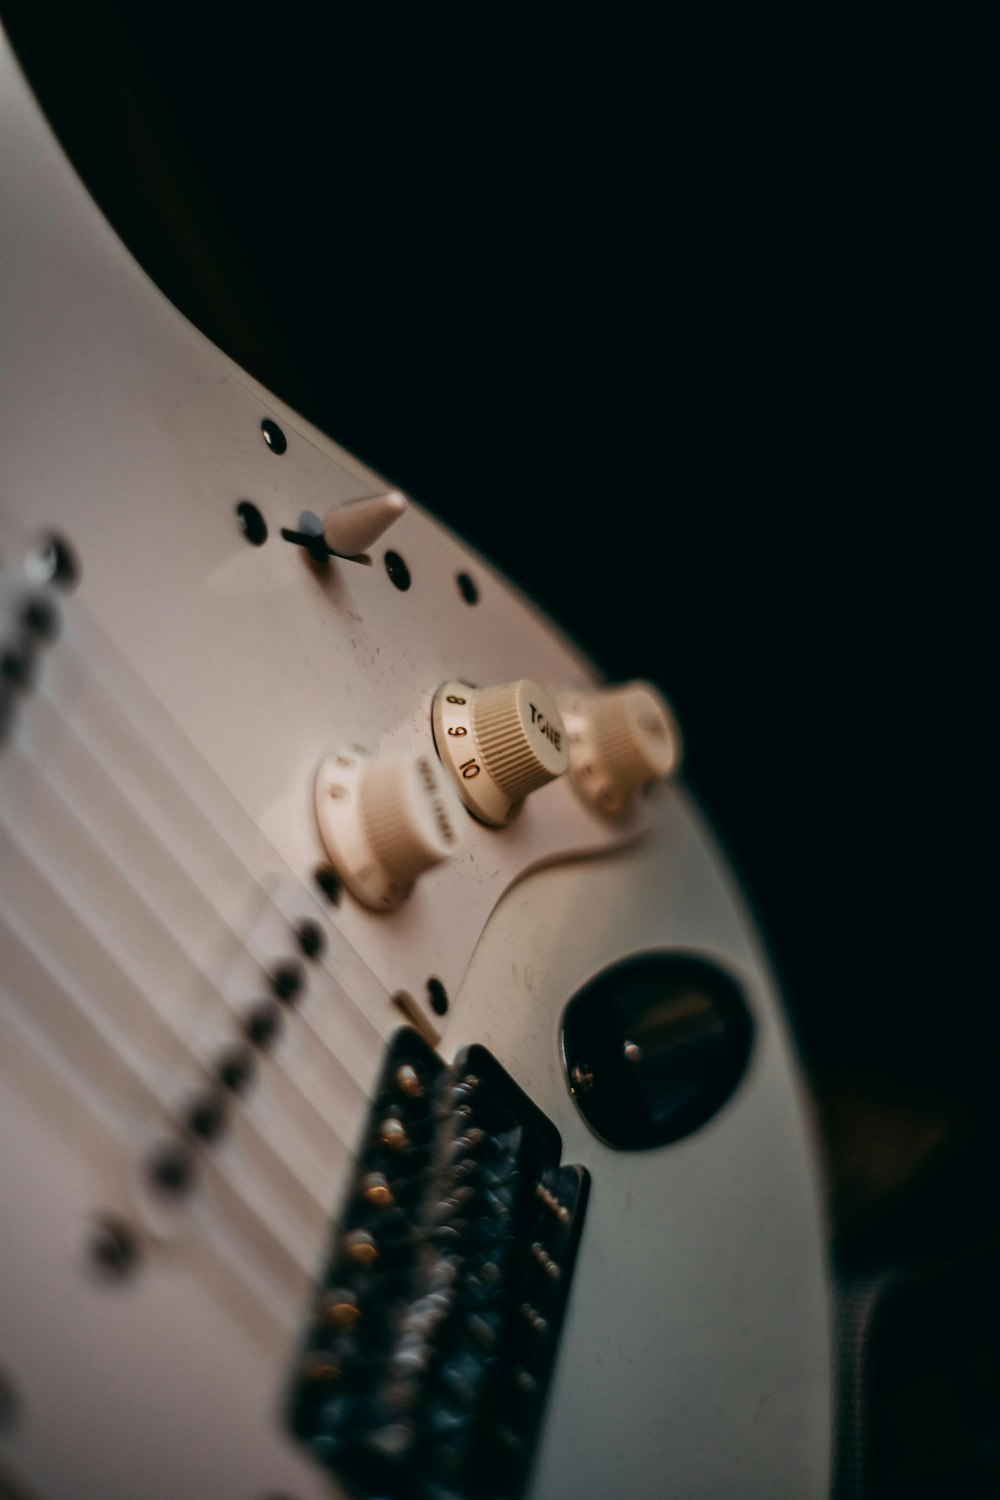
[(93, 1093), (277, 1284), (223, 803), (76, 808), (300, 1255), (114, 1040), (229, 852), (115, 944)]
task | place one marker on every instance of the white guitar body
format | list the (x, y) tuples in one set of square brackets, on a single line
[(158, 844)]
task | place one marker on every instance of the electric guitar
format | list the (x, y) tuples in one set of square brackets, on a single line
[(395, 1098)]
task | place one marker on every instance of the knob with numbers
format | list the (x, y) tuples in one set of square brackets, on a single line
[(384, 822), (500, 744), (619, 740)]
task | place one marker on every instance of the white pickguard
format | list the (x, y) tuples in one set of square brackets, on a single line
[(157, 843)]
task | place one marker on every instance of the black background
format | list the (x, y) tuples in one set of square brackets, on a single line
[(674, 319)]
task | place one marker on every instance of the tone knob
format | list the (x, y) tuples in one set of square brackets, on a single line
[(500, 743), (619, 740), (384, 822)]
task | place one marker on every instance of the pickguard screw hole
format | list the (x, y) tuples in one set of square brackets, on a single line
[(467, 588), (273, 436), (52, 560), (438, 997), (397, 570), (327, 880), (253, 523)]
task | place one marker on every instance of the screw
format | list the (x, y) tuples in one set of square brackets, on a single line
[(408, 1081), (253, 523), (326, 878), (582, 1078), (467, 588), (438, 997), (397, 570), (273, 436), (52, 561)]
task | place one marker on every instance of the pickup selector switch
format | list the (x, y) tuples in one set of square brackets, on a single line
[(620, 739), (384, 822), (500, 744), (352, 528)]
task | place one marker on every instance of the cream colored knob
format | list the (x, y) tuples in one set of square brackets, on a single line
[(619, 740), (500, 743), (384, 822)]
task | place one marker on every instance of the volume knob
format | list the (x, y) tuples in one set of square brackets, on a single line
[(619, 740), (500, 743), (384, 822)]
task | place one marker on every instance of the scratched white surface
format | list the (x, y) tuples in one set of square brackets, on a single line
[(157, 841)]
